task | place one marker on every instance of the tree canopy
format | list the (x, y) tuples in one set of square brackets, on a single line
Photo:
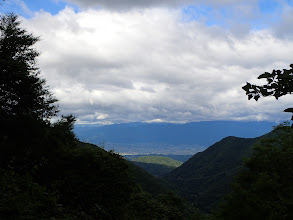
[(26, 104), (22, 92), (279, 83)]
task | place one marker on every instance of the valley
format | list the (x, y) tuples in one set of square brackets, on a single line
[(207, 160), (205, 178), (149, 128)]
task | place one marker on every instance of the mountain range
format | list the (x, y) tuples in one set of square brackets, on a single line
[(206, 177), (167, 138)]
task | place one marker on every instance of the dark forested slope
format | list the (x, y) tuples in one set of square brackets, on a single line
[(157, 165), (207, 176)]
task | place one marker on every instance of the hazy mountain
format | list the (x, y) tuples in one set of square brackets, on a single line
[(166, 138)]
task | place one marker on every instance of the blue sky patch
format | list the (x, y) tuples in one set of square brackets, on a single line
[(269, 6), (27, 8), (262, 15)]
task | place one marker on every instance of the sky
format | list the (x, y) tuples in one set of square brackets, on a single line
[(178, 61)]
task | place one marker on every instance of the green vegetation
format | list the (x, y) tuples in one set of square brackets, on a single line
[(147, 181), (155, 169), (181, 158), (22, 92), (162, 160), (264, 190), (157, 165), (205, 178)]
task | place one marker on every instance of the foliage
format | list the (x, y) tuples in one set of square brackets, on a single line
[(23, 199), (157, 170), (162, 160), (279, 83), (263, 189), (147, 181), (26, 105), (205, 178), (157, 165), (90, 180), (166, 206), (22, 92)]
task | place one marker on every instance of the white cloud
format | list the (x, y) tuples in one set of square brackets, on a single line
[(282, 29), (102, 116), (148, 65)]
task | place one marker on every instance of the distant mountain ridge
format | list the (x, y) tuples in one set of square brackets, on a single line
[(158, 137)]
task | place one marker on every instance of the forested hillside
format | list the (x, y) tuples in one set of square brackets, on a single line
[(157, 165), (207, 176), (263, 189)]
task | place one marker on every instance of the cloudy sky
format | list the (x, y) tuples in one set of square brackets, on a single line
[(116, 61)]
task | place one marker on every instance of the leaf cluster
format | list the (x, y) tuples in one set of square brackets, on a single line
[(279, 83)]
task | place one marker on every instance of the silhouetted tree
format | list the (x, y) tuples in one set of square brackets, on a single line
[(22, 92), (279, 83), (26, 104)]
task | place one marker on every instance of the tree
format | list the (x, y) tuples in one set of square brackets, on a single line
[(22, 92), (26, 104), (279, 83), (264, 190)]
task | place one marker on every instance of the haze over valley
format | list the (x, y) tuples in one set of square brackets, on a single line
[(164, 138)]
